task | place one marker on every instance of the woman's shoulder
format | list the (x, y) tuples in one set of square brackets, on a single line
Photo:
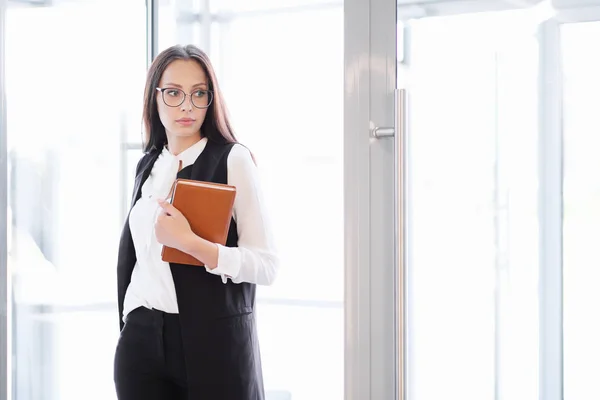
[(240, 150), (240, 156), (146, 158)]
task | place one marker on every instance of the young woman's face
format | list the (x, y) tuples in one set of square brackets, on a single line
[(184, 88)]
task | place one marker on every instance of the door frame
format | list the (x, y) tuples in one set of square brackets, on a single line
[(5, 316), (370, 314), (551, 76)]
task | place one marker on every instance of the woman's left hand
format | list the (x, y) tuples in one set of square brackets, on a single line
[(172, 229)]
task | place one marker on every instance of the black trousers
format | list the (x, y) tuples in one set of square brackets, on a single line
[(149, 359)]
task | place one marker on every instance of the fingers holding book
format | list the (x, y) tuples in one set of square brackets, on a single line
[(171, 227)]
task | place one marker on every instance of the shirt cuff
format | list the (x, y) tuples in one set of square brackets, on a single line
[(229, 262)]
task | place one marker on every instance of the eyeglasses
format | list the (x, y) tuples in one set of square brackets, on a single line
[(175, 97)]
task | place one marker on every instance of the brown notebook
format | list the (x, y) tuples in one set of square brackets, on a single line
[(208, 207)]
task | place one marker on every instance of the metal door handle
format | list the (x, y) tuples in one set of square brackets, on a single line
[(398, 132)]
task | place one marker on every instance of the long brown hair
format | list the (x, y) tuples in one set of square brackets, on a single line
[(216, 124)]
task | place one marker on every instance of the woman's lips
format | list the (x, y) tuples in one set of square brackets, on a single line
[(185, 121)]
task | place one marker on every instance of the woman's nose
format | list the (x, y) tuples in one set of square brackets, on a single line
[(187, 104)]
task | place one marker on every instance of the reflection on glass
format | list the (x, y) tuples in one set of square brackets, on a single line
[(285, 96), (256, 6), (64, 192), (183, 22), (472, 275), (581, 211)]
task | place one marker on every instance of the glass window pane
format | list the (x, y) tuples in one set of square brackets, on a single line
[(183, 22), (256, 6), (64, 192), (472, 275), (581, 211), (285, 92), (131, 120), (301, 158), (286, 342)]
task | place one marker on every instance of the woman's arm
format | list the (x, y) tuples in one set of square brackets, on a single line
[(201, 249), (255, 258)]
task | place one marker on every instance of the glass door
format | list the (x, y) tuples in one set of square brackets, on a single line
[(499, 195), (471, 217)]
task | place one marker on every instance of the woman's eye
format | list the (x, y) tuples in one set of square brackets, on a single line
[(173, 92), (200, 93)]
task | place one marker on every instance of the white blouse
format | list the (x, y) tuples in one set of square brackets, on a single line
[(254, 260)]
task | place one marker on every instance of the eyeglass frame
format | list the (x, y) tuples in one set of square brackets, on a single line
[(185, 95)]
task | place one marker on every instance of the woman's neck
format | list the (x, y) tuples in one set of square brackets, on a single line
[(176, 145)]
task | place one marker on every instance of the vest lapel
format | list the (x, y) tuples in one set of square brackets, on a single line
[(142, 175)]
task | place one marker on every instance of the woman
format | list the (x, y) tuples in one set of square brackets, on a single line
[(189, 332)]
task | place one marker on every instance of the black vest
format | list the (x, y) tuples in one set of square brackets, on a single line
[(217, 320)]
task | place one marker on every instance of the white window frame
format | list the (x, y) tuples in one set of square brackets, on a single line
[(5, 283)]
